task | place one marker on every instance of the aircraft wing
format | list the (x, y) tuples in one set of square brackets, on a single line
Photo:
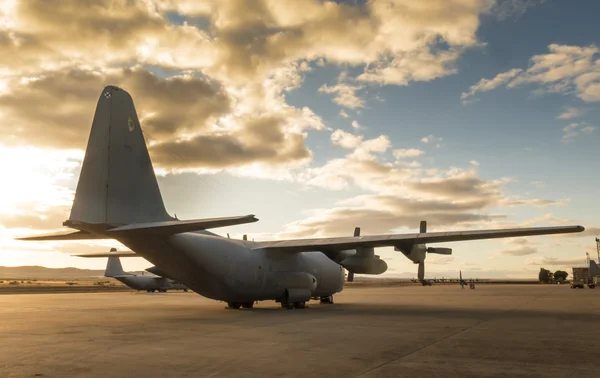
[(109, 254), (342, 243)]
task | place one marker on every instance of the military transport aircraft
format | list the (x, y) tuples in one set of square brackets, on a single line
[(153, 283), (118, 197)]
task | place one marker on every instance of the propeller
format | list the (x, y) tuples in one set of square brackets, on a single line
[(351, 274), (421, 270)]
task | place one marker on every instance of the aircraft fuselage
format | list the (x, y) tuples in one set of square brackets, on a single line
[(230, 270), (149, 283)]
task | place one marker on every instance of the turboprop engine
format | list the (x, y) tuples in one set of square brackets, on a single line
[(362, 261), (417, 252)]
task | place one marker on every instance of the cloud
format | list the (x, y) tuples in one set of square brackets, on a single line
[(41, 36), (345, 95), (346, 140), (355, 125), (261, 139), (565, 69), (521, 251), (571, 112), (406, 67), (504, 9), (574, 129), (536, 202), (343, 114), (432, 139), (474, 163), (55, 108), (439, 260), (485, 85), (240, 40), (410, 152), (576, 261)]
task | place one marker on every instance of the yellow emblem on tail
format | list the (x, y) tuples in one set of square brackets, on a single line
[(131, 124)]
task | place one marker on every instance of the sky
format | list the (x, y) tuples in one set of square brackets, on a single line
[(317, 117)]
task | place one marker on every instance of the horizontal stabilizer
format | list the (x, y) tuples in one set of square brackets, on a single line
[(109, 254), (69, 235), (177, 226)]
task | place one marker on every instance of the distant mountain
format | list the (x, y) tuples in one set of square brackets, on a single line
[(40, 272)]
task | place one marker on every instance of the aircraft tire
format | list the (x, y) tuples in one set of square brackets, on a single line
[(234, 305), (248, 304), (327, 300), (300, 304), (287, 305)]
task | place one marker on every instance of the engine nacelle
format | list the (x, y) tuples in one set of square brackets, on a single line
[(158, 272), (440, 251), (361, 265)]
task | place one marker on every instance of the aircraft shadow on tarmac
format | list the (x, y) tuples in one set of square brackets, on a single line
[(370, 310)]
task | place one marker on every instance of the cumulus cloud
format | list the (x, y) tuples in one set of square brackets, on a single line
[(571, 112), (400, 39), (56, 108), (355, 125), (260, 139), (410, 152), (345, 95), (346, 140), (565, 69)]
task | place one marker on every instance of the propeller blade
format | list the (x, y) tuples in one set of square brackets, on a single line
[(351, 274), (421, 272)]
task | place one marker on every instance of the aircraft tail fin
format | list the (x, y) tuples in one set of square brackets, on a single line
[(117, 184), (114, 268), (594, 268)]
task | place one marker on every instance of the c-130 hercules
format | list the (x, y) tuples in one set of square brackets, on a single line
[(118, 197)]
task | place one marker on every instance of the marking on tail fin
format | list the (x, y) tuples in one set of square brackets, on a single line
[(131, 124)]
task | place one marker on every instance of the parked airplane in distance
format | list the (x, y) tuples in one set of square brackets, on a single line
[(118, 197), (153, 283)]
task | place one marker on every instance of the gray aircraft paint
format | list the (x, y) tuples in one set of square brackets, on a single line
[(118, 197), (114, 269)]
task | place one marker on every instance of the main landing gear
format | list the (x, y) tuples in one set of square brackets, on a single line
[(327, 300), (291, 305), (237, 305)]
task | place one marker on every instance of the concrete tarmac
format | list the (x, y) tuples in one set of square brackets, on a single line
[(404, 331)]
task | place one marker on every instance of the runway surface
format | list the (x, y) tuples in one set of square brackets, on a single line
[(412, 331)]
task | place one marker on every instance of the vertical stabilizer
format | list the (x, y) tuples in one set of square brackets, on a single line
[(117, 184), (114, 268)]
